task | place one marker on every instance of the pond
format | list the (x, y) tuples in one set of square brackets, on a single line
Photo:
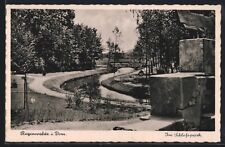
[(93, 82)]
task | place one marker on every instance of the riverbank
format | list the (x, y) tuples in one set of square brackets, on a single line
[(118, 85)]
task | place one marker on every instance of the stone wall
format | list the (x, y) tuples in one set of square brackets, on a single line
[(197, 55), (190, 93), (201, 101), (170, 92), (182, 93)]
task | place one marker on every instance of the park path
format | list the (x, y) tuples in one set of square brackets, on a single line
[(56, 79), (155, 123), (39, 82), (113, 94)]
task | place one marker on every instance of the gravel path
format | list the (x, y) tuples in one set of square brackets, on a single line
[(37, 84), (113, 94), (78, 125), (155, 123), (56, 79)]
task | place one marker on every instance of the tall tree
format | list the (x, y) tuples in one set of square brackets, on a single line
[(160, 32), (114, 49), (49, 39), (45, 27), (91, 49)]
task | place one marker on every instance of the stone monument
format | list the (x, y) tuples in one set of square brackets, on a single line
[(191, 92)]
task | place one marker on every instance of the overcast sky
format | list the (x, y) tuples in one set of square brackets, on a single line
[(106, 20)]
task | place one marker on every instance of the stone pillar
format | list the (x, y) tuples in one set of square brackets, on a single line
[(202, 100), (197, 55), (170, 92), (189, 94)]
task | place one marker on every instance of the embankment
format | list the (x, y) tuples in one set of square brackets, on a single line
[(118, 86), (55, 83)]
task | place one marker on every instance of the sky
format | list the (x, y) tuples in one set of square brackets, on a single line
[(106, 20)]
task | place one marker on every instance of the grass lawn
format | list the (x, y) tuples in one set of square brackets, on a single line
[(43, 108)]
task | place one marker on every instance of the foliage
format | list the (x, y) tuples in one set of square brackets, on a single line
[(89, 45), (46, 39), (91, 91), (159, 35), (75, 100), (115, 52)]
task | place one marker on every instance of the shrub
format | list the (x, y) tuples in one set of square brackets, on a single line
[(74, 100)]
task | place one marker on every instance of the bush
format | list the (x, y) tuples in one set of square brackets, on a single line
[(74, 100)]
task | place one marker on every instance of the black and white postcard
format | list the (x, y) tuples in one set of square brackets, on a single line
[(113, 73)]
